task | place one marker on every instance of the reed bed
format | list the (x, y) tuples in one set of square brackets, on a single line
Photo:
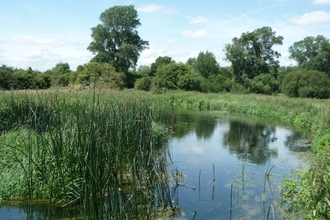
[(103, 154)]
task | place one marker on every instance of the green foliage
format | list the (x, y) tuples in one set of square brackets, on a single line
[(252, 53), (323, 143), (217, 83), (312, 53), (23, 79), (143, 83), (116, 40), (206, 64), (143, 70), (6, 77), (304, 120), (309, 195), (61, 74), (160, 61), (174, 76), (306, 84), (264, 84), (130, 78), (102, 75)]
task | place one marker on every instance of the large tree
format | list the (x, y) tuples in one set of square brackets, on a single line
[(116, 40), (312, 53), (206, 64), (252, 54)]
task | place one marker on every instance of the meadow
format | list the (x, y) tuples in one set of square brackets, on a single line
[(106, 150)]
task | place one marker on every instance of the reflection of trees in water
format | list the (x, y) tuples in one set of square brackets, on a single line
[(298, 142), (205, 127), (182, 125), (202, 124), (250, 141)]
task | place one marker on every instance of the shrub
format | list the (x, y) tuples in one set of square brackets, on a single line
[(306, 84), (264, 84), (175, 76), (143, 83)]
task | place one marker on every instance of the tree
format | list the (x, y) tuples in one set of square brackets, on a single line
[(116, 40), (206, 64), (6, 77), (61, 74), (312, 53), (102, 75), (160, 61), (143, 70), (222, 82), (61, 68), (252, 53), (175, 76), (143, 83), (306, 84), (191, 61)]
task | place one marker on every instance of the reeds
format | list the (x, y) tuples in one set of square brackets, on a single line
[(103, 154)]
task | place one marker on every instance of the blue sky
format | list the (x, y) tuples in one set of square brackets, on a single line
[(40, 34)]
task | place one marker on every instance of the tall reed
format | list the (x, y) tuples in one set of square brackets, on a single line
[(106, 153)]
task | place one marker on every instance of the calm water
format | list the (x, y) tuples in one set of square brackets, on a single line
[(218, 167), (223, 161)]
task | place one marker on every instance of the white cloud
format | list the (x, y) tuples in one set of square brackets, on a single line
[(200, 34), (156, 8), (31, 40), (321, 2), (198, 19), (311, 18), (43, 53)]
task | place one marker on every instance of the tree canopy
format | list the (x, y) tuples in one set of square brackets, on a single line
[(306, 84), (160, 61), (312, 53), (206, 64), (252, 54), (116, 40), (175, 76)]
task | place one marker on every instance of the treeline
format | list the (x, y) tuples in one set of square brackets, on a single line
[(310, 78), (254, 66)]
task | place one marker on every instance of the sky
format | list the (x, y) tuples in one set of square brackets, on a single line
[(39, 34)]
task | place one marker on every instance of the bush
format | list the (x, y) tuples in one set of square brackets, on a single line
[(175, 76), (143, 83), (217, 83), (306, 84), (264, 84), (102, 75)]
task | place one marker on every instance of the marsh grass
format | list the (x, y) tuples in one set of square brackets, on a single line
[(102, 152)]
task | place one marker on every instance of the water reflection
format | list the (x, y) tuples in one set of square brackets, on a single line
[(202, 125), (298, 142), (250, 141), (234, 163)]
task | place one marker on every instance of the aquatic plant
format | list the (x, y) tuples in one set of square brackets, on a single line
[(104, 154)]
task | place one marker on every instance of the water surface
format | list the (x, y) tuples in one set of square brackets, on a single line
[(231, 166)]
